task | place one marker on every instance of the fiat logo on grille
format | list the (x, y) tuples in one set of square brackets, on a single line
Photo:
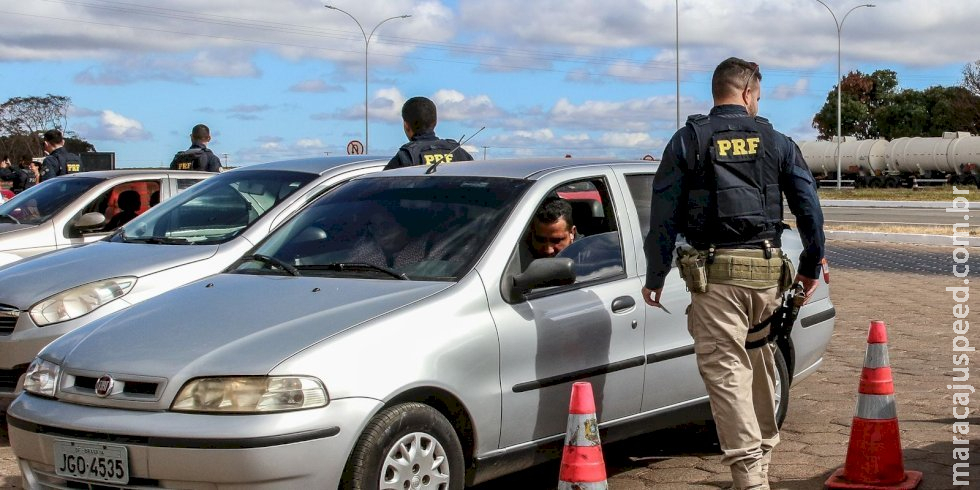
[(104, 385)]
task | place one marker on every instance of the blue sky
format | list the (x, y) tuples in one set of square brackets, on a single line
[(280, 79)]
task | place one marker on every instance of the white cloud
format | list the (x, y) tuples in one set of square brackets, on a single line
[(315, 86), (452, 105), (630, 115), (112, 126), (786, 91), (631, 140)]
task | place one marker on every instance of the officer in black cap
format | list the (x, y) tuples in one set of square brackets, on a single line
[(424, 147), (721, 184), (58, 159)]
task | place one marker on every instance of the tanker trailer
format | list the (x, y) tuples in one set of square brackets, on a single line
[(861, 160), (964, 158)]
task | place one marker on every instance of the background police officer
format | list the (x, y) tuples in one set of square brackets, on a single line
[(423, 147), (720, 184), (198, 156), (56, 163)]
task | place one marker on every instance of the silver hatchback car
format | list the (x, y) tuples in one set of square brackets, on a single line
[(196, 234), (395, 333), (81, 208)]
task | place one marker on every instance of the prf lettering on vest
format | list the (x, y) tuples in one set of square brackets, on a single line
[(738, 146), (438, 158)]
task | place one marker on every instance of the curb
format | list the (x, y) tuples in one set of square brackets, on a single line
[(872, 236), (853, 203)]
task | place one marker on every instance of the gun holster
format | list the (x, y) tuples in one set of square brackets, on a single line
[(692, 266), (780, 323)]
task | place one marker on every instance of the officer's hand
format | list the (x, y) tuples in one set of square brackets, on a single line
[(652, 296), (809, 285)]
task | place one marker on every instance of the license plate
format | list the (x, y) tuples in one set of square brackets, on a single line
[(91, 461)]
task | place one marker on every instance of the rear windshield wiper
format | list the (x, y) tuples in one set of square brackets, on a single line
[(273, 262), (355, 266), (156, 240), (9, 217)]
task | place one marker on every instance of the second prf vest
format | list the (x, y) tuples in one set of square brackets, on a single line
[(733, 197), (429, 152)]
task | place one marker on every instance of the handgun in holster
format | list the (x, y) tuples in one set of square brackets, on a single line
[(781, 321)]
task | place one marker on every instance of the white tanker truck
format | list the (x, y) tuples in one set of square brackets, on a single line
[(952, 158)]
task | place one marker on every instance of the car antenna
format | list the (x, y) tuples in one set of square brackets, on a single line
[(432, 169)]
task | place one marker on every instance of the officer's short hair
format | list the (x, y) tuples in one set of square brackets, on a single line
[(420, 114), (200, 133), (54, 137), (553, 209), (733, 76)]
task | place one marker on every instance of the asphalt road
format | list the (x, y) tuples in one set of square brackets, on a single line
[(903, 285), (891, 216)]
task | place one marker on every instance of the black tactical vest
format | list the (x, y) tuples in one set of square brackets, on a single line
[(429, 152), (733, 196)]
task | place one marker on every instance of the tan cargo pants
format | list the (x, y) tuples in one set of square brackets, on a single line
[(739, 381)]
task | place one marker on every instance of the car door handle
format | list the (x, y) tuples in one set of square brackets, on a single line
[(622, 304)]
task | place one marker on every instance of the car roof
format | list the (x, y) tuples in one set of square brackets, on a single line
[(519, 168), (126, 172), (316, 165)]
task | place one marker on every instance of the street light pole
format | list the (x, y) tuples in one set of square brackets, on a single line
[(840, 25), (367, 41), (677, 56)]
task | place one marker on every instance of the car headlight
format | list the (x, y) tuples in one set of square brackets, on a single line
[(249, 394), (42, 377), (80, 301)]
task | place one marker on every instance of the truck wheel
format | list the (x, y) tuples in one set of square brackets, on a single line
[(406, 446), (860, 182), (891, 182), (876, 182)]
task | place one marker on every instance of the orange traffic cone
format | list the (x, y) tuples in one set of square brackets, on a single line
[(874, 453), (582, 466)]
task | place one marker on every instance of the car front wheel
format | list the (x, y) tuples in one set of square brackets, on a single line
[(406, 446), (782, 382)]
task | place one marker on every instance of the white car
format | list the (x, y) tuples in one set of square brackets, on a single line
[(196, 234), (75, 209)]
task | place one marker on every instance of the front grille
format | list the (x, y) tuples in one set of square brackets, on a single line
[(130, 388), (9, 377), (8, 319)]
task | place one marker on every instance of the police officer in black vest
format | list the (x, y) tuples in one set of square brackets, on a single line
[(424, 148), (58, 159), (198, 156), (721, 184)]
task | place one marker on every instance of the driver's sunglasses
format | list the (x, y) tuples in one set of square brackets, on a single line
[(755, 71)]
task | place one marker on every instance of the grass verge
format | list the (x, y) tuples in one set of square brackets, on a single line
[(932, 193)]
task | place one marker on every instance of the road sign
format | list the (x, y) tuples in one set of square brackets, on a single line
[(355, 148)]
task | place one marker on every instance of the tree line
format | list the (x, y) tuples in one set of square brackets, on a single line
[(872, 106), (24, 119)]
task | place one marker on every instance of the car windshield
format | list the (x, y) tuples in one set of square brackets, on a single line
[(215, 210), (40, 202), (419, 228)]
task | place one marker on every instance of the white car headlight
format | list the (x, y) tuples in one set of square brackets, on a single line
[(42, 377), (250, 394), (80, 301)]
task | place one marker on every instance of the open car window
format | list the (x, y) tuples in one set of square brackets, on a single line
[(41, 202), (419, 228), (596, 250), (216, 210)]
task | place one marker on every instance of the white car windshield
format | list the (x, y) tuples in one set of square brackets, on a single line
[(426, 228), (40, 202), (214, 210)]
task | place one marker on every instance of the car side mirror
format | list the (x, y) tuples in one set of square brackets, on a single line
[(89, 221), (553, 271)]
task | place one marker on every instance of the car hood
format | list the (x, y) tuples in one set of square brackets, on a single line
[(57, 271), (231, 324)]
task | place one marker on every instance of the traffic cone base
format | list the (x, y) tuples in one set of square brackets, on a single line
[(911, 481)]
